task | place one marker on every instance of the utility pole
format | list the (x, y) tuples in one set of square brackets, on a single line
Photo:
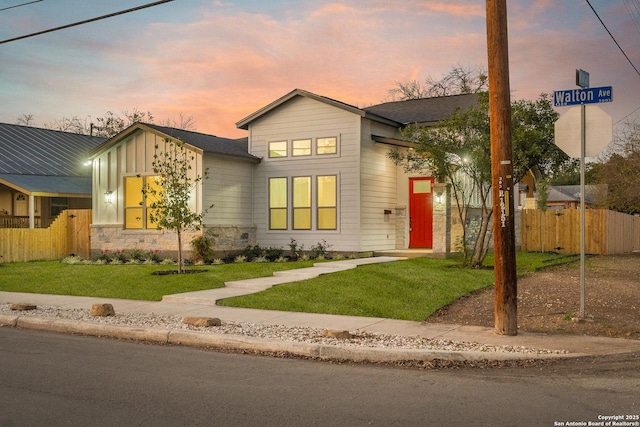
[(505, 305)]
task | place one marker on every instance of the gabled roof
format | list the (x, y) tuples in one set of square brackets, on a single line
[(424, 111), (571, 193), (244, 123), (45, 162), (207, 143)]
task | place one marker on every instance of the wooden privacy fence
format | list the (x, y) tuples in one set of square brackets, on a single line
[(68, 234), (558, 230)]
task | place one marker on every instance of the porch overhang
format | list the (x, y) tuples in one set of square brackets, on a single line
[(49, 186)]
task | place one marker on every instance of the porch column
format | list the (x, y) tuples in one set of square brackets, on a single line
[(32, 210)]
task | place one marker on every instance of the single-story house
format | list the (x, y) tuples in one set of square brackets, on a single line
[(311, 169), (42, 173), (568, 196)]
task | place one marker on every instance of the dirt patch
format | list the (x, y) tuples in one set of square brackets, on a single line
[(549, 300)]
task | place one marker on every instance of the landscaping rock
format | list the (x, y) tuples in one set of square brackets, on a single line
[(343, 335), (102, 310), (23, 306), (202, 321)]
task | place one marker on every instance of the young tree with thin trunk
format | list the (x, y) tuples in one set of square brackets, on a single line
[(171, 198)]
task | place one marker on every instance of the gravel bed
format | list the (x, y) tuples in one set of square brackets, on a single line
[(272, 332)]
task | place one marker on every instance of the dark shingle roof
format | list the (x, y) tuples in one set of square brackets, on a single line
[(208, 143), (423, 111), (27, 150), (571, 193)]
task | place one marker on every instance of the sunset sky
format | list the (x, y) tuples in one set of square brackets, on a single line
[(219, 61)]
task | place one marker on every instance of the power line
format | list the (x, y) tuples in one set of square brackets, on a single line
[(86, 21), (613, 38), (21, 4)]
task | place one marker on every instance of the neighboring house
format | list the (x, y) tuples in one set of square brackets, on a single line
[(42, 172), (312, 169), (568, 196)]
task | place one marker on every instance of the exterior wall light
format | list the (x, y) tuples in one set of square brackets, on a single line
[(438, 198), (108, 196)]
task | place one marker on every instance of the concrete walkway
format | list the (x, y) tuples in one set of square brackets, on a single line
[(252, 286), (202, 303)]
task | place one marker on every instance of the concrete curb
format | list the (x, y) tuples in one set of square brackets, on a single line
[(244, 343)]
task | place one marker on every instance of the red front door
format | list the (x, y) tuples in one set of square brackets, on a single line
[(420, 212)]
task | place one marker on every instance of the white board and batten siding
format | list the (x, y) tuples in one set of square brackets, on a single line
[(132, 156), (301, 118)]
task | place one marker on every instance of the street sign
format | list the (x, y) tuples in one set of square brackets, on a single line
[(594, 95), (582, 78), (598, 131)]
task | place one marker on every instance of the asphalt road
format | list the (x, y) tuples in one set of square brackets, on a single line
[(60, 380)]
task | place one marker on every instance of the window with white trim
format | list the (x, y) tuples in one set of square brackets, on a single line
[(137, 210)]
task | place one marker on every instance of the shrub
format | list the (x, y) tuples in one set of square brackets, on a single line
[(152, 257), (260, 259), (105, 256), (252, 252), (202, 250), (273, 254), (240, 259), (295, 251), (320, 249), (135, 255), (72, 259), (118, 257)]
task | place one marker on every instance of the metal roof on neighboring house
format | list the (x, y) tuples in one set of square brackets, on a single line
[(40, 185), (45, 162), (424, 111)]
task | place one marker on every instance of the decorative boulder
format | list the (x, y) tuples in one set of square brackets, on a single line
[(102, 310), (23, 306), (343, 335), (202, 321)]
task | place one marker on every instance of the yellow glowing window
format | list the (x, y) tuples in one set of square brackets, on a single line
[(278, 149), (327, 202), (327, 145), (301, 147), (302, 203), (278, 203), (137, 204)]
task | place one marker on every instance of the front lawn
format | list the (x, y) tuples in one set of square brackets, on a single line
[(410, 290), (126, 281)]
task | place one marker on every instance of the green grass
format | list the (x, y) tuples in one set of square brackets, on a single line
[(125, 281), (410, 290)]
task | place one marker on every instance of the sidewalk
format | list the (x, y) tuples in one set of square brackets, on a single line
[(202, 303)]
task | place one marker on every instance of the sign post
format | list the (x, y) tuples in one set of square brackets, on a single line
[(581, 97)]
